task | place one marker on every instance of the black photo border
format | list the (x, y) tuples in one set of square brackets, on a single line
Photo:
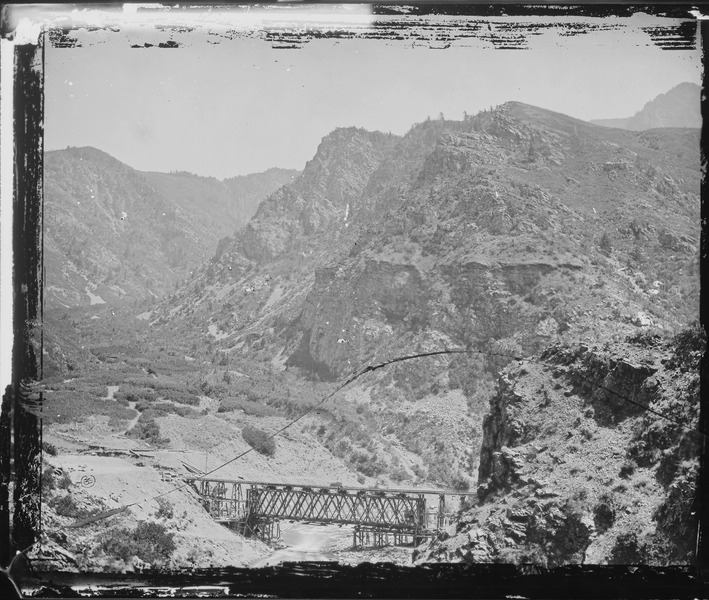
[(290, 580)]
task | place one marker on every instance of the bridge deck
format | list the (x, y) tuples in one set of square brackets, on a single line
[(253, 507), (316, 486)]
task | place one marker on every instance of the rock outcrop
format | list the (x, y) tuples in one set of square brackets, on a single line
[(578, 465)]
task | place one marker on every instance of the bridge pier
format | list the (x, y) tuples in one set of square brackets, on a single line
[(377, 537), (266, 530)]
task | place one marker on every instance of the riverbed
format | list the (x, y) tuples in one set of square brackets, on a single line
[(328, 543)]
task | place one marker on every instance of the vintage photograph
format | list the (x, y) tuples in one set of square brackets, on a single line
[(358, 284)]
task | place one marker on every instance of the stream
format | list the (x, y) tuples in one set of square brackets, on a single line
[(308, 543)]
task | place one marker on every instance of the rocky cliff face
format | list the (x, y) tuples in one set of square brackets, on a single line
[(321, 198), (575, 468)]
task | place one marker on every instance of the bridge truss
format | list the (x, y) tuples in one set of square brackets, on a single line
[(380, 516)]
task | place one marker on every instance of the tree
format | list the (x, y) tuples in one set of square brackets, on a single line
[(532, 151)]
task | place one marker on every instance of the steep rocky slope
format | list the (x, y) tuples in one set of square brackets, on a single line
[(113, 233), (574, 468), (501, 233), (677, 108)]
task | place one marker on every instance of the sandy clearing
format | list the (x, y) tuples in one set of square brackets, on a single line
[(118, 482), (212, 441)]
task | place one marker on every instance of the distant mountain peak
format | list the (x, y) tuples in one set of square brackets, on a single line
[(678, 107)]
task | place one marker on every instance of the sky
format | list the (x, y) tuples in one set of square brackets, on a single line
[(241, 106)]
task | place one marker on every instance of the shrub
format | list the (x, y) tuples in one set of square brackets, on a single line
[(646, 338), (627, 470), (419, 471), (460, 482), (643, 481), (48, 480), (147, 429), (259, 440), (64, 482), (165, 509), (188, 397), (66, 506), (399, 475), (605, 245), (160, 409), (73, 406), (123, 397), (560, 530), (604, 513), (142, 405), (587, 432), (343, 448), (50, 449), (688, 346), (149, 542), (627, 550)]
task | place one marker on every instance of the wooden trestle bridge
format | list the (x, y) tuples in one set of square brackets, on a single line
[(379, 516)]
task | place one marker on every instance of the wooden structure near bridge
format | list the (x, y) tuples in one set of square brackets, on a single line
[(380, 516)]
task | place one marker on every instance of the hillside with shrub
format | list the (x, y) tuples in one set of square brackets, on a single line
[(115, 234)]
